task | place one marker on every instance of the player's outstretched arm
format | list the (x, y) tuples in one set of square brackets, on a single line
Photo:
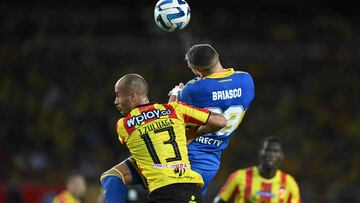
[(214, 123)]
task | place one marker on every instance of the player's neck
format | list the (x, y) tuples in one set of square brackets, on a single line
[(216, 69), (141, 102), (144, 100), (266, 172)]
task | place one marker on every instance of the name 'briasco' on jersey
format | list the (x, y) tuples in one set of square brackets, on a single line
[(155, 136), (229, 93)]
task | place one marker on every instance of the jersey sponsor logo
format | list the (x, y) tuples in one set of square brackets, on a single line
[(265, 194), (226, 94), (177, 165), (208, 141), (146, 115)]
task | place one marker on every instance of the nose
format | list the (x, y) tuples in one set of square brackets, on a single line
[(115, 101)]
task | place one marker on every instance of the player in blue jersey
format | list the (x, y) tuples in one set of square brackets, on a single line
[(220, 90)]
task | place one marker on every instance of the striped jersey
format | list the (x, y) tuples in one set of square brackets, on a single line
[(65, 197), (248, 186), (155, 136)]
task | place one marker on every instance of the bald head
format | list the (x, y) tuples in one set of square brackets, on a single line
[(132, 83), (131, 90)]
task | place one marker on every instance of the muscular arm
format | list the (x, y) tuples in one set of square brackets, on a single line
[(215, 122)]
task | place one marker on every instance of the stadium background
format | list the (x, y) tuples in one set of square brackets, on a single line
[(59, 61)]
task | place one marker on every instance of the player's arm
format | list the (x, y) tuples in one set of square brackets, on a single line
[(229, 190), (200, 121), (214, 123)]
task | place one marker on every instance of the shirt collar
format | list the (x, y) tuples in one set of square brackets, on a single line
[(227, 72)]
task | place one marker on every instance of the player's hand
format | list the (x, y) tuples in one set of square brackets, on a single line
[(190, 134), (175, 92)]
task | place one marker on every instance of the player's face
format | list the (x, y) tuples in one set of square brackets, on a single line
[(271, 154), (79, 186), (122, 102)]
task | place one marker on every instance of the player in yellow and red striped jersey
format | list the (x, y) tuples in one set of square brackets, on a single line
[(156, 137), (264, 183), (75, 190)]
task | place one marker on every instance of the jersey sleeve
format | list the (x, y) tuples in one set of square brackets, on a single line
[(249, 90), (121, 131), (231, 188), (294, 190), (193, 116), (185, 95)]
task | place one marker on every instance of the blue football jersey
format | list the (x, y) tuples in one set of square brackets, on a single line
[(229, 93)]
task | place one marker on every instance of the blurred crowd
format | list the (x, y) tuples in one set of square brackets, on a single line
[(58, 67)]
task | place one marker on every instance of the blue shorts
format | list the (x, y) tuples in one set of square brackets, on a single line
[(207, 175)]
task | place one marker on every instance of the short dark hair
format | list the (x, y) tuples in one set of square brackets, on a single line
[(202, 55), (270, 139)]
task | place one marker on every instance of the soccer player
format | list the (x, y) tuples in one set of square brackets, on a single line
[(75, 190), (156, 137), (219, 90), (264, 183)]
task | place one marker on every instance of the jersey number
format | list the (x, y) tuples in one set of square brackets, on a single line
[(151, 149), (233, 116)]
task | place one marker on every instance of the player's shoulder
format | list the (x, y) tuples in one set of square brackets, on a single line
[(120, 123), (242, 171), (242, 73), (63, 196), (178, 104), (289, 177), (193, 81)]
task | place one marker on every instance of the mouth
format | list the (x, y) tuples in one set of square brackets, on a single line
[(270, 160)]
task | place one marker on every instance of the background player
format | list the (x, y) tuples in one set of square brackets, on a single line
[(263, 183), (155, 136), (220, 90), (75, 190)]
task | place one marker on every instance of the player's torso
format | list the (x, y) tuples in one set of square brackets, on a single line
[(261, 190), (159, 146)]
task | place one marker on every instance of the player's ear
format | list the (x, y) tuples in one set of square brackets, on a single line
[(133, 97)]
